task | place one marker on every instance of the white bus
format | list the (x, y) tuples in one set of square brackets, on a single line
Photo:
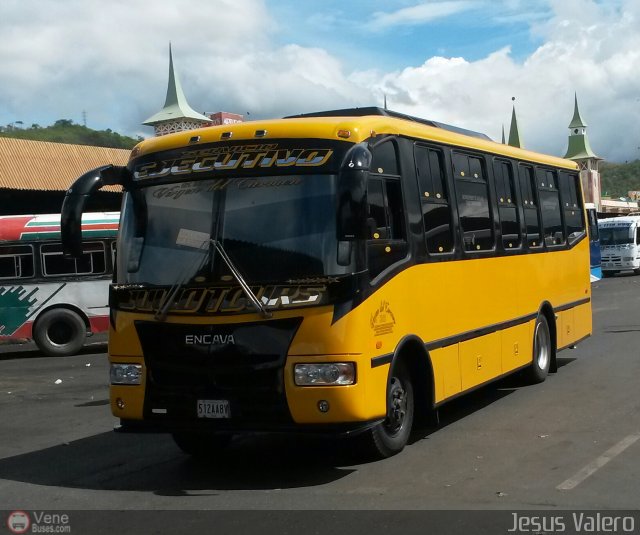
[(620, 244), (55, 300)]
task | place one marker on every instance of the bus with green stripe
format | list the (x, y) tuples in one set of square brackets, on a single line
[(54, 300)]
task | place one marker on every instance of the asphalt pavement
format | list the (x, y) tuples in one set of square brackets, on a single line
[(570, 443)]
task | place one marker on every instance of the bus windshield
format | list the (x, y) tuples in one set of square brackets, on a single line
[(274, 229), (615, 236)]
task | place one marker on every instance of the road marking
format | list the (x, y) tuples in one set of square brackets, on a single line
[(598, 463)]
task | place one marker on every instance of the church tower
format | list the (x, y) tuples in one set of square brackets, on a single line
[(176, 115), (579, 150)]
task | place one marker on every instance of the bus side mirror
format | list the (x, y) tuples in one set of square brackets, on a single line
[(352, 195), (75, 199)]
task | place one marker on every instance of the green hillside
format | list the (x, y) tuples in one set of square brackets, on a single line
[(65, 131), (618, 179)]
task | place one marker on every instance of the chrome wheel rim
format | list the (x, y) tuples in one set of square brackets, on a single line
[(543, 346), (397, 406)]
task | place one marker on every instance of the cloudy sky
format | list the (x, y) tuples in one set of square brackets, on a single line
[(454, 61)]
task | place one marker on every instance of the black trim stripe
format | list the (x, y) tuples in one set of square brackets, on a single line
[(477, 333), (482, 331), (573, 304), (381, 360)]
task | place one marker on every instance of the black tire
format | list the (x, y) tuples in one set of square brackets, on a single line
[(607, 274), (59, 332), (542, 351), (390, 436), (201, 445)]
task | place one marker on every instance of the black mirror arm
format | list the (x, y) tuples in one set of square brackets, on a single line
[(76, 198)]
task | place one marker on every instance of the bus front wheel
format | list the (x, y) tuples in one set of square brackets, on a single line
[(59, 332), (391, 435), (542, 351)]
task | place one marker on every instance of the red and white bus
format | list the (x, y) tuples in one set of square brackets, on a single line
[(45, 296)]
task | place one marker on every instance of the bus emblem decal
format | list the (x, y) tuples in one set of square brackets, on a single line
[(383, 320)]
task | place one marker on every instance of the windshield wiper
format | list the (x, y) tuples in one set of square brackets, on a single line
[(165, 304), (243, 284)]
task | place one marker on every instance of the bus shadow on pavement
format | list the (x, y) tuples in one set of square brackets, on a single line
[(475, 401), (152, 463), (29, 350), (467, 404)]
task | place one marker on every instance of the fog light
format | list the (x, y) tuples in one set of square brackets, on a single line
[(120, 403), (323, 405), (330, 373), (126, 374)]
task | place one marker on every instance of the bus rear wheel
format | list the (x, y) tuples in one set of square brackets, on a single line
[(59, 332), (391, 435), (542, 351)]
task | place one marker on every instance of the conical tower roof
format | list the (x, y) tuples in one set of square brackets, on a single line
[(514, 133), (576, 121), (579, 147), (176, 106)]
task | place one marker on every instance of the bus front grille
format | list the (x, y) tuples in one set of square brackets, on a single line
[(242, 364)]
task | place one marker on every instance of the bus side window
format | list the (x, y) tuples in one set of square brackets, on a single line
[(572, 205), (550, 207), (436, 212), (529, 203), (473, 202), (377, 220), (92, 260), (507, 211), (16, 262), (386, 216)]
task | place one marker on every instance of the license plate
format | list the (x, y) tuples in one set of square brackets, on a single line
[(213, 408)]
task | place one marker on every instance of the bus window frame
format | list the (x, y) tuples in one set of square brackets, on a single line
[(534, 192), (482, 157), (15, 255), (447, 174), (579, 206), (84, 274), (542, 187), (401, 179), (516, 204)]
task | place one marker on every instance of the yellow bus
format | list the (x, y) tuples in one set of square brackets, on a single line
[(342, 272)]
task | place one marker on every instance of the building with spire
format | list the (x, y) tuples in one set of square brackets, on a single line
[(514, 133), (579, 150), (176, 115)]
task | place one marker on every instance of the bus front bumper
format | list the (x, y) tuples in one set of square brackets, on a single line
[(200, 426)]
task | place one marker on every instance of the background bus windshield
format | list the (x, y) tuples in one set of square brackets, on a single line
[(615, 236), (273, 228)]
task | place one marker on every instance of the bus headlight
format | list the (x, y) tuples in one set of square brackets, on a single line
[(126, 374), (330, 373)]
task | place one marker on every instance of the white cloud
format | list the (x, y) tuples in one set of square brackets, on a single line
[(60, 58), (418, 14), (589, 48)]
